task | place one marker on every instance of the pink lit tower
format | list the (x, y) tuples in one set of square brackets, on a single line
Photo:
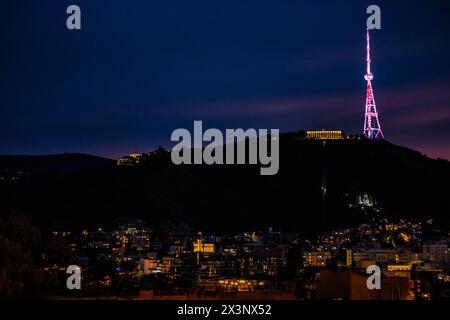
[(372, 128)]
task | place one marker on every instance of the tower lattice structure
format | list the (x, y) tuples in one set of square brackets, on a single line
[(372, 127)]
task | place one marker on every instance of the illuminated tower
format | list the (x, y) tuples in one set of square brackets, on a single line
[(372, 128)]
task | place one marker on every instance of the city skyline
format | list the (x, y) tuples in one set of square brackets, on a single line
[(213, 158), (126, 259), (135, 73)]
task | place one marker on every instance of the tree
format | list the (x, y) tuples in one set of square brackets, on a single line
[(17, 228), (18, 277), (19, 246)]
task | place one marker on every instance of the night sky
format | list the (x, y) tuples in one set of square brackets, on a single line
[(140, 69)]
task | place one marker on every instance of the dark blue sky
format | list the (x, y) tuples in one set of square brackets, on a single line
[(140, 69)]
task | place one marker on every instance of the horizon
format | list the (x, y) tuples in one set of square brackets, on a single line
[(168, 149)]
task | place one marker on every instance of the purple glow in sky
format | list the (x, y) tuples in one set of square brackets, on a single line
[(135, 72)]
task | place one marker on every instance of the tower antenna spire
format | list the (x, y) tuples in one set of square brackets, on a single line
[(368, 55), (372, 127)]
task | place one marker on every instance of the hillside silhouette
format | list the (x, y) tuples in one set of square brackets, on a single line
[(78, 191)]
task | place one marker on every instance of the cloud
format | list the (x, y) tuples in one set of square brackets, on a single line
[(405, 108)]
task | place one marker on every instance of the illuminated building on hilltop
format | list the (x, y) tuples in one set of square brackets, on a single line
[(130, 160), (325, 135), (134, 159)]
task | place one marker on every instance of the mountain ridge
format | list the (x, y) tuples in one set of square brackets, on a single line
[(223, 198)]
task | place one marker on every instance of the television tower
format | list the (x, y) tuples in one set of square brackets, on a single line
[(372, 128)]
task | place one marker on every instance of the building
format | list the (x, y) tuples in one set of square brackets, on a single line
[(348, 257), (218, 268), (316, 258), (346, 284), (436, 252), (130, 160), (384, 256), (398, 267), (325, 135), (149, 266), (205, 248)]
